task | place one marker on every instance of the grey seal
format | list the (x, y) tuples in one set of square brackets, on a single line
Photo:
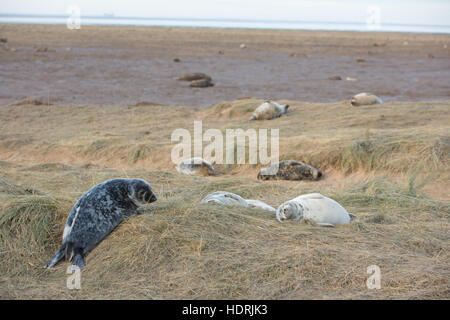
[(97, 213), (289, 170)]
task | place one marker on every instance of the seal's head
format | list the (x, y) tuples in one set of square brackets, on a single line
[(141, 192), (289, 210)]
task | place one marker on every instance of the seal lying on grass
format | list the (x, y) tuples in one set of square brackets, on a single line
[(314, 208), (289, 170), (269, 110), (364, 99), (224, 197), (196, 165), (97, 213)]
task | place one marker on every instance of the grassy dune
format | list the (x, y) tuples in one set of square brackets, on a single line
[(388, 164)]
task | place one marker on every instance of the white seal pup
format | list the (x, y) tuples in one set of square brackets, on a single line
[(269, 110), (196, 165), (314, 208), (364, 99), (289, 170), (97, 213), (224, 197), (260, 205)]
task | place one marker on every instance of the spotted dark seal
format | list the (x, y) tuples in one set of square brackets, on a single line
[(289, 170), (97, 213)]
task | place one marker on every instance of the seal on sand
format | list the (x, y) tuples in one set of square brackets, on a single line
[(97, 213)]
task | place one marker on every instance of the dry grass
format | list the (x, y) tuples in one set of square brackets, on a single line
[(387, 164)]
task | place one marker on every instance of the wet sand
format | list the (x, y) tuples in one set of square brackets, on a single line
[(128, 65)]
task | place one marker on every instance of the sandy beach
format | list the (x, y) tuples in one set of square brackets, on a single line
[(127, 65)]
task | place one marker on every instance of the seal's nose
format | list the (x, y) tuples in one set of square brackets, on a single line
[(153, 198)]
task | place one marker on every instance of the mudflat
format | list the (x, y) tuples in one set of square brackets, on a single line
[(128, 65)]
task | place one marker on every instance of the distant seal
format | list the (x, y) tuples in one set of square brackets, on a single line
[(228, 198), (201, 83), (364, 99), (97, 213), (269, 110), (314, 208), (289, 170), (196, 165), (193, 77)]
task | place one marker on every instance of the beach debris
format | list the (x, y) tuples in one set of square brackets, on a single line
[(364, 99), (298, 55), (351, 79), (361, 60), (196, 165), (43, 49), (289, 170), (27, 101), (198, 80), (176, 60), (3, 40), (269, 110), (334, 78), (193, 76), (243, 46)]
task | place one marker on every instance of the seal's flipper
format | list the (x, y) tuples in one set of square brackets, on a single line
[(325, 225), (78, 261), (353, 218), (56, 257)]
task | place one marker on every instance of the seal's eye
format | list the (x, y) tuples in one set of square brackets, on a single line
[(140, 194)]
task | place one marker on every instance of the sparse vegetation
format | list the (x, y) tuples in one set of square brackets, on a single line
[(393, 178)]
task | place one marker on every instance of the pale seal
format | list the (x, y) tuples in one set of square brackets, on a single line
[(269, 110), (364, 99), (97, 213), (228, 198), (196, 165), (289, 170), (260, 205), (224, 197), (314, 208)]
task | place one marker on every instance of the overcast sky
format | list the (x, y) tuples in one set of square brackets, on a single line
[(431, 12)]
